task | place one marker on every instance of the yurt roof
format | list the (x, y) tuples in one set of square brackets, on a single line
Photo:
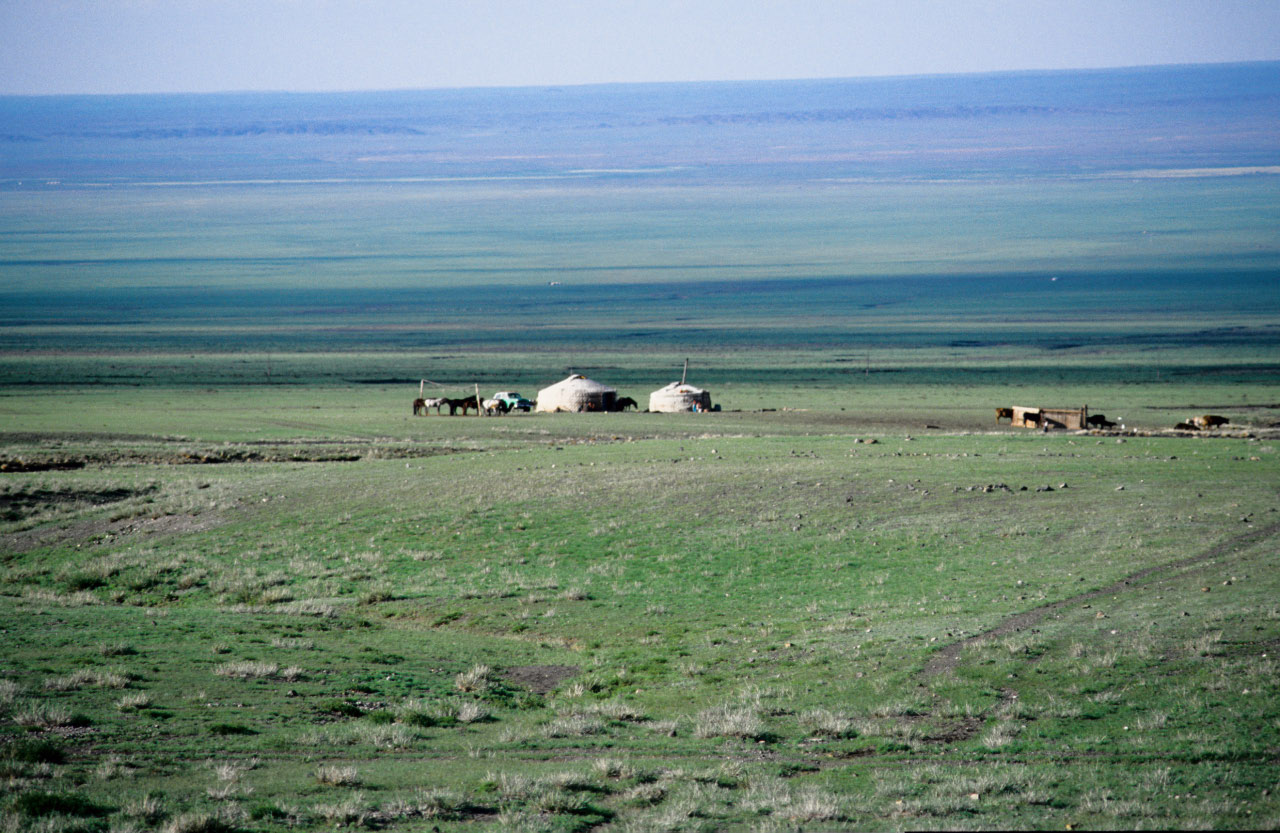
[(581, 383), (680, 388)]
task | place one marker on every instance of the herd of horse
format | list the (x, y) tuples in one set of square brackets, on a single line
[(494, 407)]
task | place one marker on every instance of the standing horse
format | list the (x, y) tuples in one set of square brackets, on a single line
[(466, 404), (424, 405), (624, 403)]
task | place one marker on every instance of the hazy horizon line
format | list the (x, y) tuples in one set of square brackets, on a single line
[(552, 86)]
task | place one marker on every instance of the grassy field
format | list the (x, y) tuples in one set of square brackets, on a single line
[(280, 606)]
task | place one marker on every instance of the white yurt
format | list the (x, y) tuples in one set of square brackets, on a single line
[(678, 397), (577, 393)]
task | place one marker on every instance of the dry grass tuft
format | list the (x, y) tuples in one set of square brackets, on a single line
[(87, 677), (246, 670), (477, 679), (729, 721), (133, 702), (332, 775)]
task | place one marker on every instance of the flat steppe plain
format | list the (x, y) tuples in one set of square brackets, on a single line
[(281, 606)]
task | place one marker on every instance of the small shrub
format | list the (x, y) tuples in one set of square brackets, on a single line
[(38, 803), (198, 823), (35, 752), (727, 721), (812, 804), (1205, 645), (472, 713), (386, 737), (87, 677), (828, 724), (226, 729), (246, 670), (133, 702), (36, 715), (427, 713), (116, 649), (332, 775), (148, 809), (84, 582), (478, 679), (113, 767), (342, 708), (575, 725), (349, 813)]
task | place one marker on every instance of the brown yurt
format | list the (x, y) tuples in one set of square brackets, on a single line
[(577, 393)]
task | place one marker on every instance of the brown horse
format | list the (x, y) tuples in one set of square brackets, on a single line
[(419, 406), (466, 404), (1210, 421)]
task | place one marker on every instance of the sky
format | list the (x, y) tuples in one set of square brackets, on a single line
[(140, 46)]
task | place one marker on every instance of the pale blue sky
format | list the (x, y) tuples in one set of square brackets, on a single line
[(116, 46)]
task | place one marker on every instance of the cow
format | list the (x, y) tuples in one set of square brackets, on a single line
[(1210, 421), (1099, 421), (1004, 413), (1185, 426)]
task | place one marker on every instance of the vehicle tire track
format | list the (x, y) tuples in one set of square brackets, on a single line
[(948, 657)]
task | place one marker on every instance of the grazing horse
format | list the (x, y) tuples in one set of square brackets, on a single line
[(495, 407), (624, 403), (1004, 413)]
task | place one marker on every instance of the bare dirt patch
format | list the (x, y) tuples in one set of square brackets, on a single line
[(311, 452), (539, 678), (21, 503), (103, 531)]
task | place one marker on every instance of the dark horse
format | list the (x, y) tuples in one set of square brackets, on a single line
[(466, 404), (624, 403)]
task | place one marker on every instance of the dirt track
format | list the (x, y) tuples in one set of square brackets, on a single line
[(948, 657)]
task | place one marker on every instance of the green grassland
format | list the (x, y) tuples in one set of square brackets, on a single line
[(287, 605)]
